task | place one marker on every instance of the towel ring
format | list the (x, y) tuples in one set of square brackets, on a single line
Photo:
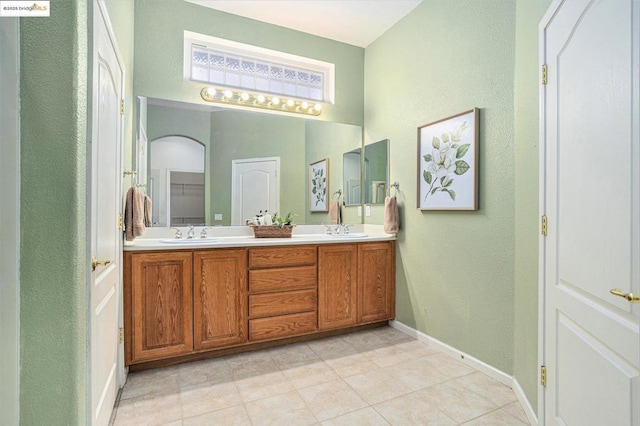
[(337, 194), (394, 185)]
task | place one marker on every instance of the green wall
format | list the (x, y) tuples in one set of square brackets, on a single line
[(54, 262), (455, 270), (159, 34), (478, 292), (238, 134), (527, 86)]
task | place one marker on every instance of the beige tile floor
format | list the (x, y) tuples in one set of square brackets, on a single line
[(376, 377)]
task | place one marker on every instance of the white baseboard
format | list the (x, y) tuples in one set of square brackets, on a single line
[(475, 363), (524, 402)]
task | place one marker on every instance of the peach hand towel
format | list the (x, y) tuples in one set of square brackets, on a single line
[(134, 214), (391, 217), (334, 212)]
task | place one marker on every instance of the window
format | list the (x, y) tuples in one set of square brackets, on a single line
[(229, 64)]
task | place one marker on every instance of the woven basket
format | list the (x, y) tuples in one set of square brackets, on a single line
[(265, 231)]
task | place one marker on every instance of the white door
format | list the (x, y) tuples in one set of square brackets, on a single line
[(255, 187), (106, 180), (590, 171)]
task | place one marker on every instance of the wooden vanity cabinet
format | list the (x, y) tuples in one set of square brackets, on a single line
[(337, 285), (282, 292), (219, 298), (182, 304), (160, 305), (356, 284), (376, 282)]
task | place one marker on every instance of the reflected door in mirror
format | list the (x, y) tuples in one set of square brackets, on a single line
[(255, 188)]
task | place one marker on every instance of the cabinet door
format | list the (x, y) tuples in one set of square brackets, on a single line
[(161, 305), (376, 277), (220, 298), (337, 278)]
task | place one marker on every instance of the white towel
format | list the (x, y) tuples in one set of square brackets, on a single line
[(391, 217)]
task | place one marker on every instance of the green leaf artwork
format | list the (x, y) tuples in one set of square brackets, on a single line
[(427, 176), (318, 186), (445, 161), (462, 150), (461, 167)]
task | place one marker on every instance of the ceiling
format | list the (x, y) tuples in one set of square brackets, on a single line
[(356, 22)]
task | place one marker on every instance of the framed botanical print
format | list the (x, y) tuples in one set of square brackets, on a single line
[(318, 186), (448, 163)]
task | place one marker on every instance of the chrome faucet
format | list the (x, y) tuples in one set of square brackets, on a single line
[(203, 233), (191, 233), (178, 235), (340, 228)]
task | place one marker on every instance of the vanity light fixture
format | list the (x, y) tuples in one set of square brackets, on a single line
[(274, 103)]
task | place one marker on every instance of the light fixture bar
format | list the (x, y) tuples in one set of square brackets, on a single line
[(253, 100)]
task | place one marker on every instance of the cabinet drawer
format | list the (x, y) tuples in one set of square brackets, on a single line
[(282, 326), (280, 279), (274, 257), (289, 302)]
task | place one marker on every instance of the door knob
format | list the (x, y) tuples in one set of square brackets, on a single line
[(632, 298), (95, 263)]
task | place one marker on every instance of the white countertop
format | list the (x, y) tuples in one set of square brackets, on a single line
[(242, 236)]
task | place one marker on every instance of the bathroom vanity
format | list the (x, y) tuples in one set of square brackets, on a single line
[(231, 292)]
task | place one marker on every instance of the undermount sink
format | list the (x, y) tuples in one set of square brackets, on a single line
[(189, 240), (350, 235)]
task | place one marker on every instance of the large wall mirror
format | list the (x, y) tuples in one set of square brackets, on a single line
[(376, 171), (352, 177), (194, 152)]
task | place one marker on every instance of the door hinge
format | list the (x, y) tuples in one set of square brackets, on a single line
[(543, 225), (543, 375), (121, 106), (120, 224), (544, 74), (121, 335)]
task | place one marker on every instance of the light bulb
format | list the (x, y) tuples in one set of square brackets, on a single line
[(211, 92), (304, 106), (244, 96), (317, 107), (261, 99), (228, 94), (290, 103), (275, 100)]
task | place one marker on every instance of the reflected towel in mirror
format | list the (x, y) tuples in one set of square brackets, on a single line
[(148, 206), (334, 212)]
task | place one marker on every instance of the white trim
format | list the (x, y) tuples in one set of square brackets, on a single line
[(524, 402), (544, 23), (475, 363), (327, 69), (93, 13), (10, 221)]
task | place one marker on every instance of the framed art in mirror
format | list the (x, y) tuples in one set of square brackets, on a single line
[(448, 163), (319, 186)]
